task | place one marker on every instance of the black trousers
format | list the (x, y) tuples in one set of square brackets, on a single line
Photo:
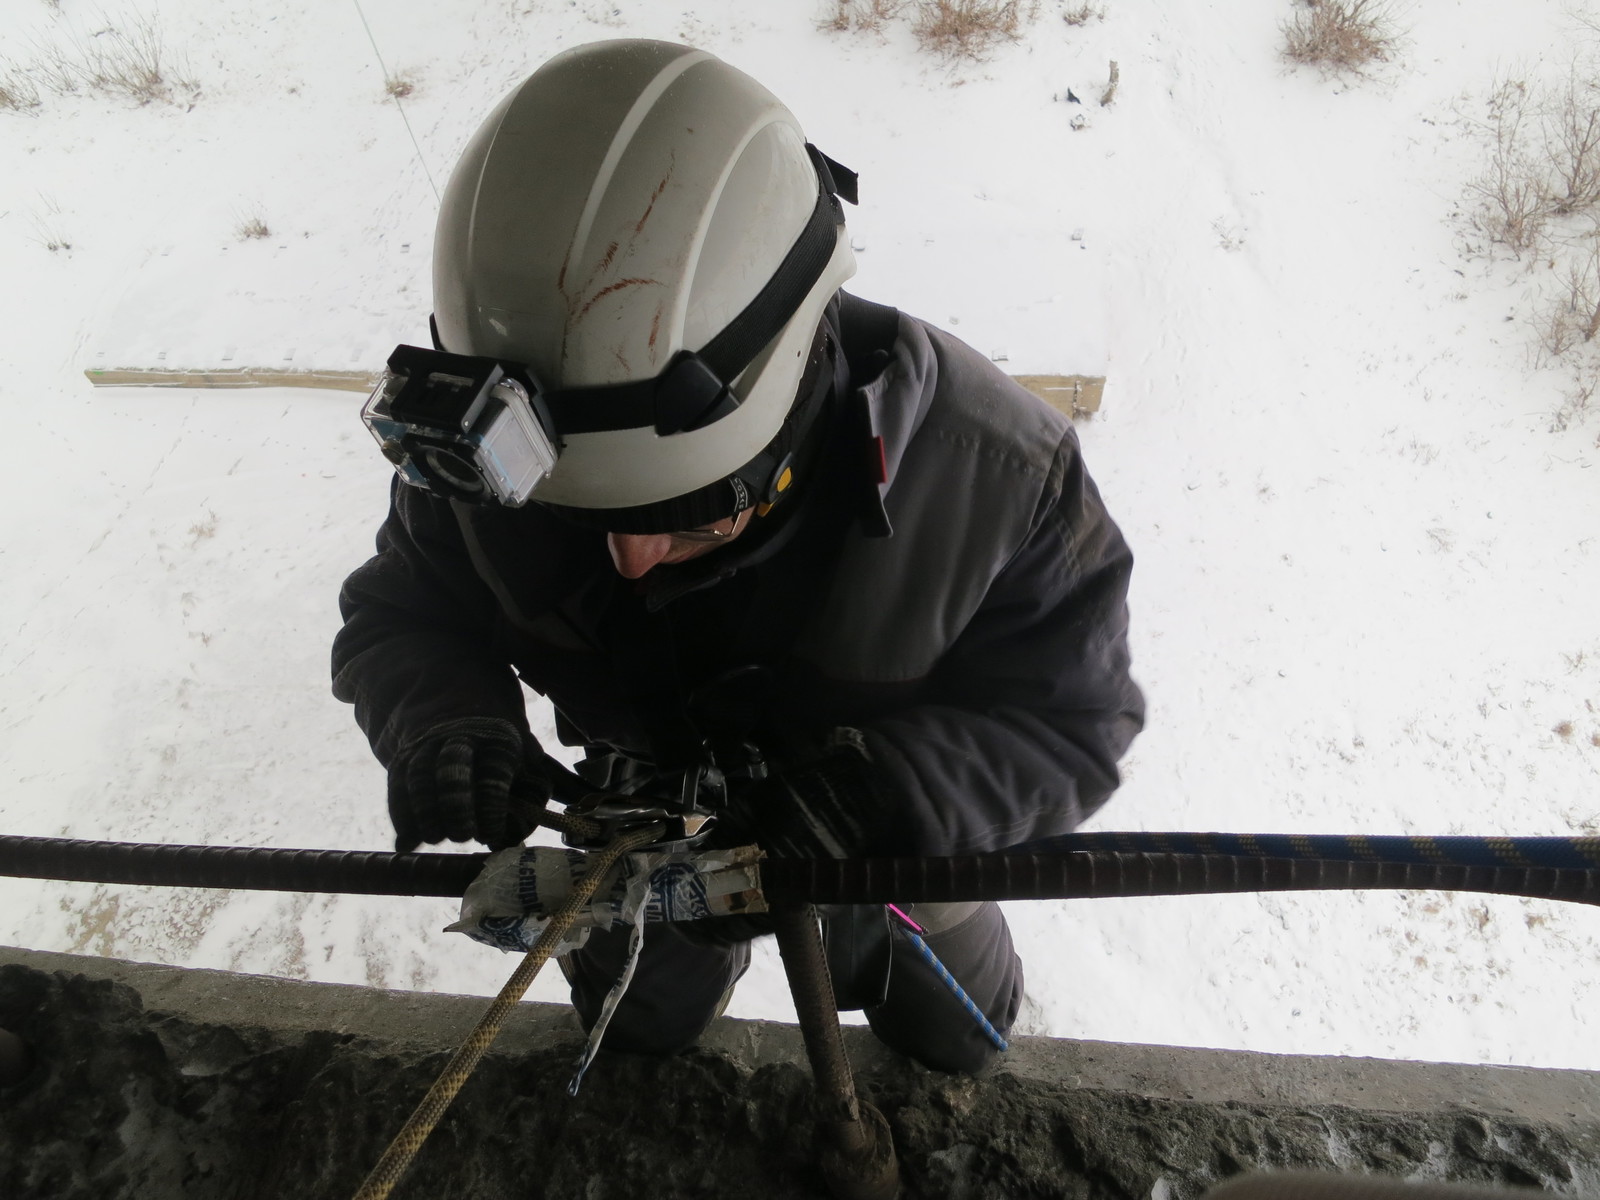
[(683, 973)]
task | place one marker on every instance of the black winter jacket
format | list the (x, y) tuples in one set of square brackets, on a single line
[(981, 647)]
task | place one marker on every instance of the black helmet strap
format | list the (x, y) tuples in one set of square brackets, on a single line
[(752, 484)]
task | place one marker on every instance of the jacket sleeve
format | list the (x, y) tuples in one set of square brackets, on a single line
[(417, 646), (1033, 705)]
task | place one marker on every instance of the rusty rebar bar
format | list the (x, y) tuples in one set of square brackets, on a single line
[(1060, 874), (854, 1148)]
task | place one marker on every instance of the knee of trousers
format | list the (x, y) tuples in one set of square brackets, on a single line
[(678, 987), (921, 1018)]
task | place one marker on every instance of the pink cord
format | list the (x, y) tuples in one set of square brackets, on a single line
[(909, 922)]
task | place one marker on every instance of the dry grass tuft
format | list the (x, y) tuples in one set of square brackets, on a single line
[(399, 86), (952, 29), (1340, 36), (129, 60), (252, 227), (969, 28), (868, 16), (17, 92), (1082, 14), (48, 227), (202, 530)]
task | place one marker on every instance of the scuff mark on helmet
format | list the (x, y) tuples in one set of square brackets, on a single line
[(653, 197), (606, 291), (616, 255)]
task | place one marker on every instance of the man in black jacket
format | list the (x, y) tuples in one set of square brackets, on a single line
[(771, 525)]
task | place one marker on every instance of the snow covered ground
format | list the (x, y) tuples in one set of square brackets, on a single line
[(1365, 599)]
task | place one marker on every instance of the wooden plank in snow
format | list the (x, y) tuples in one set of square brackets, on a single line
[(232, 377), (1075, 395)]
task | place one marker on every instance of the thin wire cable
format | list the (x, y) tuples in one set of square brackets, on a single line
[(421, 160)]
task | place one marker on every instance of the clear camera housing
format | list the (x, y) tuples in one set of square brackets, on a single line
[(460, 426)]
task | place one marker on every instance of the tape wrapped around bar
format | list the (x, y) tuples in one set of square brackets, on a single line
[(510, 902)]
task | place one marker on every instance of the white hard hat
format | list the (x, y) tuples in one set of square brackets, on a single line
[(639, 224)]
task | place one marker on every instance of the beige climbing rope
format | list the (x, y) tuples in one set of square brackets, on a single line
[(397, 1158)]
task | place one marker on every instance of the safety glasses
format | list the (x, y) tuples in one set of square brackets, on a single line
[(709, 535)]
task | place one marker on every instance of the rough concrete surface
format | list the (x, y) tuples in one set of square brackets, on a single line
[(156, 1082)]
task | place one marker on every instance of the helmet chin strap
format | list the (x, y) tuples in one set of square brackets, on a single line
[(778, 468)]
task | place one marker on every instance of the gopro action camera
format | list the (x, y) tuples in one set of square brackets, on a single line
[(461, 426)]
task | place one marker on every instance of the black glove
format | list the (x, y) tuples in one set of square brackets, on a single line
[(477, 778), (833, 803)]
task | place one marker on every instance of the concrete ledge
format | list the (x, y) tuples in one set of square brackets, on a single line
[(156, 1081)]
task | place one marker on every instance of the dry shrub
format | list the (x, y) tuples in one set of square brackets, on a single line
[(1513, 193), (1574, 405), (1583, 296), (1576, 317), (1539, 198), (1082, 14), (1572, 147), (251, 228), (1340, 36), (969, 28)]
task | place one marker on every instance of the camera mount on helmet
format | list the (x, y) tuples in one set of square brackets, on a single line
[(467, 428)]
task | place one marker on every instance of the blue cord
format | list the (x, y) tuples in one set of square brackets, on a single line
[(949, 980)]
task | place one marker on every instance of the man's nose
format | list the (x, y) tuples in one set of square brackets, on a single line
[(636, 553)]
